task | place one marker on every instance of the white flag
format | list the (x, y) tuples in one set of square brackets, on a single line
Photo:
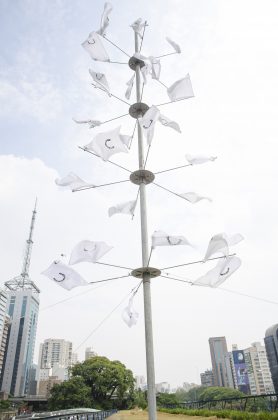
[(146, 70), (92, 123), (125, 208), (169, 123), (160, 238), (88, 251), (105, 19), (126, 139), (64, 275), (156, 67), (129, 87), (199, 159), (233, 239), (129, 314), (181, 89), (138, 26), (218, 243), (174, 45), (101, 80), (72, 181), (107, 144), (147, 122), (193, 198), (94, 47), (224, 269)]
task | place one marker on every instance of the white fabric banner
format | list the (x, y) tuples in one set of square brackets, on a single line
[(124, 208), (88, 251), (64, 275), (72, 181), (107, 144), (217, 244), (101, 80), (129, 87), (93, 46), (105, 19), (169, 123), (129, 314), (147, 122), (160, 238), (224, 269), (92, 123), (138, 26), (174, 45), (193, 197), (199, 159), (155, 67), (181, 89), (233, 239)]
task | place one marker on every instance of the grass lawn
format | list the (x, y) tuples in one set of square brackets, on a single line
[(143, 415)]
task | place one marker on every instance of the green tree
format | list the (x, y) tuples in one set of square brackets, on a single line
[(163, 399), (192, 395), (140, 399), (111, 383), (70, 394), (218, 393)]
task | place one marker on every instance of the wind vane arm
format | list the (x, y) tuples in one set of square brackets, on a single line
[(28, 250)]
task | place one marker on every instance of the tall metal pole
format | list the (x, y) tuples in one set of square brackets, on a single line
[(27, 255), (145, 257)]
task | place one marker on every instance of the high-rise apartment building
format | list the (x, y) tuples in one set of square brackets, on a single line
[(218, 349), (207, 378), (55, 351), (258, 370), (4, 326), (89, 352), (271, 345), (55, 359), (237, 372), (22, 308)]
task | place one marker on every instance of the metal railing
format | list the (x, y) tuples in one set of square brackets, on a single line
[(265, 402), (71, 414)]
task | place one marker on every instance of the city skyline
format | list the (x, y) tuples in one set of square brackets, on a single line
[(45, 82)]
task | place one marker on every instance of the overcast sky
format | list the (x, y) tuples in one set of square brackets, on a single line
[(230, 50)]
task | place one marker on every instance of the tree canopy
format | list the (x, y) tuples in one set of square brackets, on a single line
[(218, 393), (70, 394), (107, 384)]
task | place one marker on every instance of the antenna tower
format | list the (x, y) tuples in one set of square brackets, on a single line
[(23, 281)]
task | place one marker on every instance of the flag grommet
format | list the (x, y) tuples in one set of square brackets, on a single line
[(138, 110), (142, 176), (150, 271)]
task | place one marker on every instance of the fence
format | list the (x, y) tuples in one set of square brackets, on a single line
[(71, 414), (265, 402)]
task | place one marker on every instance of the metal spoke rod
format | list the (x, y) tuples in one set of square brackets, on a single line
[(173, 169), (110, 94), (172, 278), (169, 191), (115, 45), (112, 119), (166, 55), (196, 262), (88, 187), (109, 161), (113, 265)]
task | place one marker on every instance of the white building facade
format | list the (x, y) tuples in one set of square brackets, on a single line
[(258, 370), (23, 308)]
